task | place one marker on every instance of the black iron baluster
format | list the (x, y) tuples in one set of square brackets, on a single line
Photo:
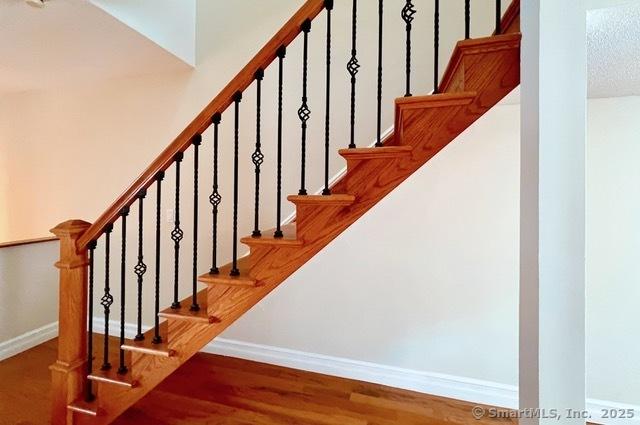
[(197, 141), (436, 47), (327, 120), (379, 111), (282, 51), (236, 143), (498, 17), (467, 19), (176, 235), (352, 67), (215, 199), (157, 339), (304, 112), (107, 299), (89, 396), (122, 369), (408, 12), (141, 268), (258, 157)]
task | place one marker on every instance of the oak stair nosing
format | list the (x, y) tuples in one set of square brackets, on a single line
[(86, 408), (323, 200), (112, 377), (223, 277), (382, 152), (185, 312), (439, 100)]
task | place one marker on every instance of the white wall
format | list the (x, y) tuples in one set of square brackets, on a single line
[(169, 23), (28, 288)]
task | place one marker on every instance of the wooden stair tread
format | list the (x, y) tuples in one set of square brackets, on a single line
[(112, 376), (147, 346), (339, 199), (85, 407), (224, 277), (289, 238), (185, 313), (381, 152)]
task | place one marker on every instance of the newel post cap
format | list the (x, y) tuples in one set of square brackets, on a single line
[(70, 228)]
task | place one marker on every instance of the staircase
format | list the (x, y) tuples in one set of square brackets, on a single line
[(479, 74)]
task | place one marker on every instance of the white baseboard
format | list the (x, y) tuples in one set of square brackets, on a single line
[(28, 340), (455, 387), (460, 388), (438, 384)]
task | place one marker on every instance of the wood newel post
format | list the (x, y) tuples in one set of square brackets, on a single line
[(68, 372)]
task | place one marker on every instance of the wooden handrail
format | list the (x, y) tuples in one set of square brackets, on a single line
[(219, 104)]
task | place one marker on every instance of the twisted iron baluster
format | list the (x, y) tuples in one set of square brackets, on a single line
[(498, 17), (282, 51), (89, 396), (236, 142), (141, 268), (197, 141), (258, 157), (379, 110), (436, 46), (304, 112), (176, 234), (408, 12), (157, 339), (122, 369), (215, 199), (352, 67), (467, 19), (327, 121), (107, 299)]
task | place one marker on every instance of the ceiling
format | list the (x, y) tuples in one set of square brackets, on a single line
[(71, 42), (613, 46)]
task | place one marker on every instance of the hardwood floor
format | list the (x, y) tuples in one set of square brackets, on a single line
[(212, 389)]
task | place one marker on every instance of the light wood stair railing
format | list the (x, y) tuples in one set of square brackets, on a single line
[(480, 73)]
